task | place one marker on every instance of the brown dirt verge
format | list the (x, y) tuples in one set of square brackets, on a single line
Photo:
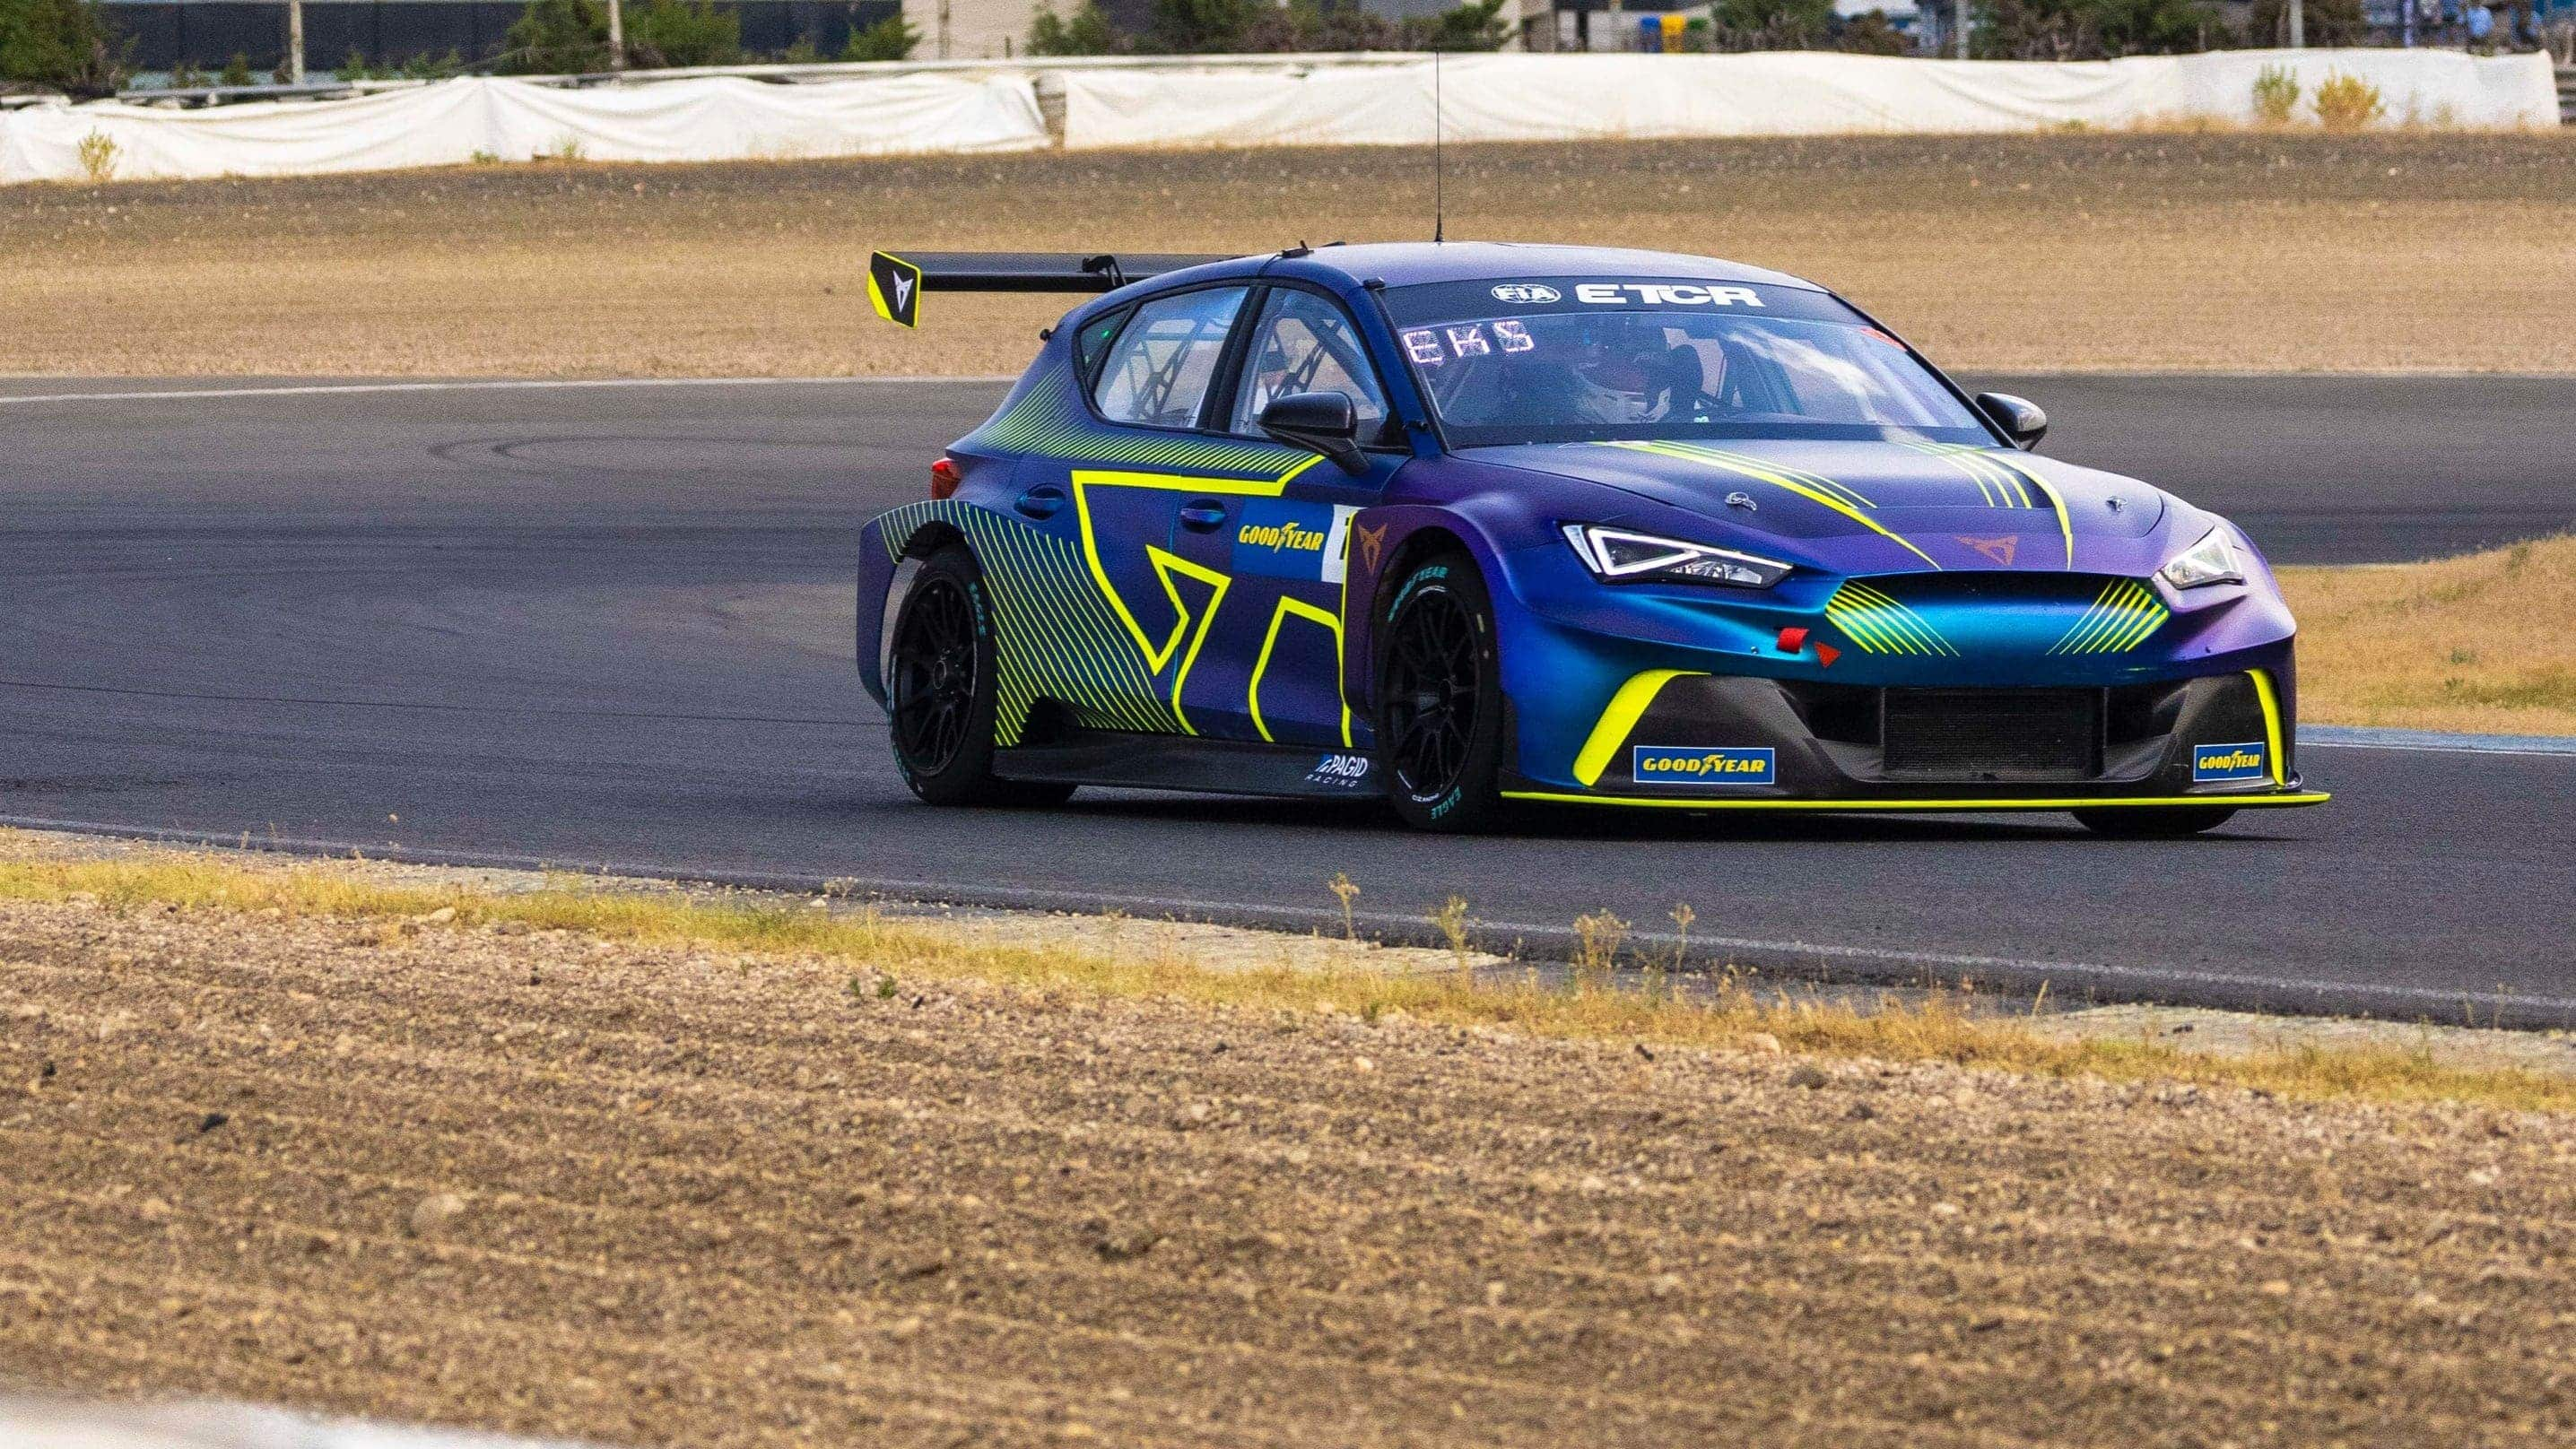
[(2117, 251), (2478, 643), (673, 1195)]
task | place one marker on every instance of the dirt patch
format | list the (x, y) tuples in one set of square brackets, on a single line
[(676, 1195), (2478, 643), (2122, 251)]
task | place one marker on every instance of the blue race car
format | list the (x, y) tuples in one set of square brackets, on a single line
[(1470, 525)]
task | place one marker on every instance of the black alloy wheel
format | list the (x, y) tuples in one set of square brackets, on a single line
[(940, 690), (1440, 699), (932, 682)]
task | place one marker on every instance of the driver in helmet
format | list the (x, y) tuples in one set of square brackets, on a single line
[(1622, 372)]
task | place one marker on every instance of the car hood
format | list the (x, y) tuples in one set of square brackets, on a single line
[(1954, 506)]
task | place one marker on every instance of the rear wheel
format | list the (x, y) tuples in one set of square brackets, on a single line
[(1440, 698), (2154, 824), (940, 690)]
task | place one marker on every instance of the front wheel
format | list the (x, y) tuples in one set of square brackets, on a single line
[(2138, 823), (1440, 698), (940, 690)]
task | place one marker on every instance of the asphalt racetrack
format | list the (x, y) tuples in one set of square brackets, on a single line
[(608, 626)]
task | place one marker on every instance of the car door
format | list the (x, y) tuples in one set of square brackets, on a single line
[(1271, 669), (1109, 479)]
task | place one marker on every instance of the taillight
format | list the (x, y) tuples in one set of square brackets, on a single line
[(944, 478)]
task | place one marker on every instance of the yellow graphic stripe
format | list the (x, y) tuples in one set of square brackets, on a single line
[(1733, 459), (1270, 641), (2065, 526), (1763, 473), (1882, 625), (2271, 702), (2000, 486), (2118, 621), (1165, 564), (2069, 802), (1625, 709)]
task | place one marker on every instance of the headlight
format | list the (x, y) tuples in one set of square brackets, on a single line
[(2210, 561), (1617, 556)]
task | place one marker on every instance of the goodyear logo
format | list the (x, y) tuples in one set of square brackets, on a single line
[(1277, 536), (1703, 764), (1284, 540), (2230, 762)]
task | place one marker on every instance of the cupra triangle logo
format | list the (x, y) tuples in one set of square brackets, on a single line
[(1998, 549)]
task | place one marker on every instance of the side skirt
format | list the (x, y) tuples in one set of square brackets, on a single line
[(1183, 762)]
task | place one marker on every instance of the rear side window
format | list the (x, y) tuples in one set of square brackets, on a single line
[(1091, 344), (1158, 369)]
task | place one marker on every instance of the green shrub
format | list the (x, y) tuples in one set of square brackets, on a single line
[(70, 45), (1476, 25), (889, 39), (1199, 27), (676, 34), (1871, 34), (236, 71), (1088, 32), (184, 76), (2348, 103), (556, 37), (801, 51), (2091, 29), (2276, 95), (1774, 24)]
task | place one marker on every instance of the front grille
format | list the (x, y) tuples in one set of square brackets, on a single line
[(1992, 734)]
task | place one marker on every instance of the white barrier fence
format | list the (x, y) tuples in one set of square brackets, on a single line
[(1773, 93), (703, 118), (1283, 102)]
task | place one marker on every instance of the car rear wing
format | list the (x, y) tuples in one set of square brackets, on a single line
[(895, 283)]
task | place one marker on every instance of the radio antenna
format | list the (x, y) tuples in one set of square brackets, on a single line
[(1438, 218)]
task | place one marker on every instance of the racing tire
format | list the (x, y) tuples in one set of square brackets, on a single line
[(2143, 824), (1440, 698), (940, 690)]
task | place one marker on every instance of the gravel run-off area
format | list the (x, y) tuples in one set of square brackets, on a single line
[(535, 1181)]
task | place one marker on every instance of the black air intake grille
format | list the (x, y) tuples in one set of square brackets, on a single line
[(1993, 734)]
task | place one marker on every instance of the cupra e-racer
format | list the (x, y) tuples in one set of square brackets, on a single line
[(1467, 524)]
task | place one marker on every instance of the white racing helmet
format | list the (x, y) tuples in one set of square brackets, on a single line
[(1623, 377)]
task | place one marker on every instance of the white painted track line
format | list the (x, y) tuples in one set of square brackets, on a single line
[(326, 389)]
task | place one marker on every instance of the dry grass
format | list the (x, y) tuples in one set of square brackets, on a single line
[(879, 952), (2484, 643), (2107, 251)]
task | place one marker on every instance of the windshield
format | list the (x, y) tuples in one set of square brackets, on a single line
[(1542, 362)]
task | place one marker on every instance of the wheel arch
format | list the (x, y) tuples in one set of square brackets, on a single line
[(1431, 532)]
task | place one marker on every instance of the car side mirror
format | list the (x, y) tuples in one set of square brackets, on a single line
[(2019, 417), (1320, 422)]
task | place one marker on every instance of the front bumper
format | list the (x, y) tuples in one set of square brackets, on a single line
[(1678, 739)]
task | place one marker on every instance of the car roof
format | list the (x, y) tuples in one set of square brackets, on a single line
[(1405, 264)]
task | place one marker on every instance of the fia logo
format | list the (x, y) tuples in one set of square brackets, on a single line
[(1527, 292)]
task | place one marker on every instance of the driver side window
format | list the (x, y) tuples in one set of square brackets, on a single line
[(1305, 343)]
